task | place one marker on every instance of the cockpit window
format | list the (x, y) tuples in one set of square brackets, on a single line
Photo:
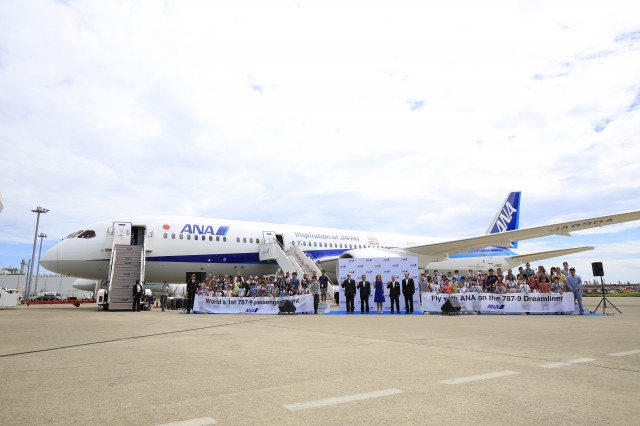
[(87, 234), (75, 234)]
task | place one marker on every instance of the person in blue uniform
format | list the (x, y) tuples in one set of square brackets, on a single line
[(574, 284), (378, 296)]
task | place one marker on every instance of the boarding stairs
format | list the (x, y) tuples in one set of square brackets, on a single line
[(271, 250), (309, 265), (293, 260), (127, 266)]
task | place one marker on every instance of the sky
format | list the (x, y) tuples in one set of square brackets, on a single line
[(394, 116)]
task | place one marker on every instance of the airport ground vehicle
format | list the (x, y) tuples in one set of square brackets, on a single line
[(47, 296)]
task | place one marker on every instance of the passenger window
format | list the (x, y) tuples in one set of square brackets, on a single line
[(244, 240), (165, 235), (217, 237), (210, 238), (237, 239), (195, 237), (257, 241), (188, 236), (224, 239), (173, 236), (181, 236), (251, 240)]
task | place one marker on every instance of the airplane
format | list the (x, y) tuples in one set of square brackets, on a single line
[(175, 247)]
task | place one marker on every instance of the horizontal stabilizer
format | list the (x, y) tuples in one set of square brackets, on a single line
[(541, 255)]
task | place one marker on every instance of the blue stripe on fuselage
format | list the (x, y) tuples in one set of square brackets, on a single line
[(247, 258), (254, 258)]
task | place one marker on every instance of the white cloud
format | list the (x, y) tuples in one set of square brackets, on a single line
[(394, 116)]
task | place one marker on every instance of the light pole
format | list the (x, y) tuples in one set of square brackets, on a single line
[(42, 236), (37, 210), (27, 280)]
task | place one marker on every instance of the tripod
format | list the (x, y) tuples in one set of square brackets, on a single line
[(604, 300)]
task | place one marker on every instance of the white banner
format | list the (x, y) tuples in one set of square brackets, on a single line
[(489, 303), (386, 267), (250, 305)]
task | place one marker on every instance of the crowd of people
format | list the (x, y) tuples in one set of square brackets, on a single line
[(281, 285), (526, 280)]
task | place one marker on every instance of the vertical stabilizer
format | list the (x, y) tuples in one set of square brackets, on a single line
[(507, 218)]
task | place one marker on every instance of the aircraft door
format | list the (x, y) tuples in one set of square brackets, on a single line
[(138, 235), (122, 233), (272, 237), (268, 236)]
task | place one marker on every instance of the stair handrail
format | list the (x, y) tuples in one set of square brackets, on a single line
[(306, 260), (143, 261)]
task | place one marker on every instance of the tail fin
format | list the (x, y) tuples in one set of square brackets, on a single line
[(507, 218)]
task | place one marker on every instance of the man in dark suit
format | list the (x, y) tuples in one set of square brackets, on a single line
[(137, 294), (349, 286), (408, 289), (192, 287), (365, 291), (394, 293)]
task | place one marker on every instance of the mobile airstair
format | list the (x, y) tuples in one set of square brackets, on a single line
[(294, 259), (126, 266)]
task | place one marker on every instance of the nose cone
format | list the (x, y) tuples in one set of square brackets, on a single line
[(48, 259), (78, 257)]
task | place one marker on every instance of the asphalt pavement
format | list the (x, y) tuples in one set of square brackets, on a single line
[(67, 365)]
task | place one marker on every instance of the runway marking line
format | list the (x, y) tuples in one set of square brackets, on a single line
[(565, 363), (637, 351), (341, 399), (204, 421), (486, 376)]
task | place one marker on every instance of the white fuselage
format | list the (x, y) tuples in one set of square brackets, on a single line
[(177, 245)]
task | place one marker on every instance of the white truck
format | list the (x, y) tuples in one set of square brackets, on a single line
[(8, 298)]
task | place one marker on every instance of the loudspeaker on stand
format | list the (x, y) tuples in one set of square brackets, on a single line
[(597, 269)]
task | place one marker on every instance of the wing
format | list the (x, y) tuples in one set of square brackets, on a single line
[(542, 255), (439, 251)]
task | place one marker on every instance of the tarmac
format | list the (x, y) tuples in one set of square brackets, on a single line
[(67, 365)]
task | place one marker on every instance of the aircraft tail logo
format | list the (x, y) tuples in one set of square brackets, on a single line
[(507, 218)]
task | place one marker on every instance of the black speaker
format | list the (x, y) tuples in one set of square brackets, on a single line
[(451, 306), (596, 267), (286, 307)]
